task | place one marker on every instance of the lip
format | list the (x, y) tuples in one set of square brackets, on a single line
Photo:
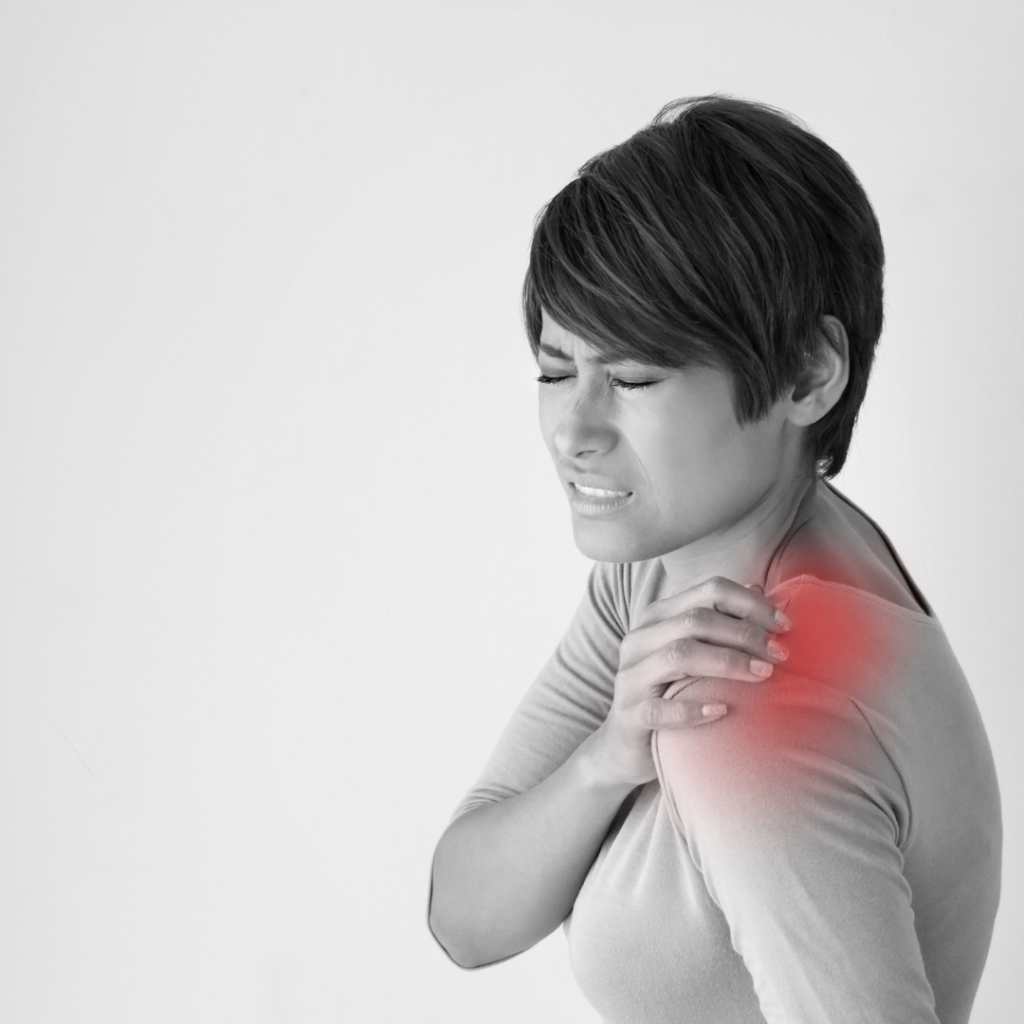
[(601, 483)]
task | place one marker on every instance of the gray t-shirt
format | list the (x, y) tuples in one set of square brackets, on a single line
[(827, 853)]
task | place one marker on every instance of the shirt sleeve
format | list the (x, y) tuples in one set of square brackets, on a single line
[(568, 700), (795, 815)]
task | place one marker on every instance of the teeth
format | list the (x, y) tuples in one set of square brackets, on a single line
[(597, 492)]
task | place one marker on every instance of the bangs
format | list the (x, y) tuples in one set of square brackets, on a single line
[(598, 274), (720, 235)]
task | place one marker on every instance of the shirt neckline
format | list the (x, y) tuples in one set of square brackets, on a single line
[(808, 506)]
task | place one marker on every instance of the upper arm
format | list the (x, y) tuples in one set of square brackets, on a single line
[(569, 698), (794, 814)]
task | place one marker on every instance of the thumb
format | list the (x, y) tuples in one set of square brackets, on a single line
[(755, 587)]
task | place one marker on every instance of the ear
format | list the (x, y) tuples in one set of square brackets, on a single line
[(824, 378)]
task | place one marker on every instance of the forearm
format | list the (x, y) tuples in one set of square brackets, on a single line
[(507, 874)]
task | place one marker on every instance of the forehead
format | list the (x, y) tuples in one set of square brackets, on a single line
[(558, 343)]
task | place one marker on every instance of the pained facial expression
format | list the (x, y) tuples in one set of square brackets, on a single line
[(666, 440)]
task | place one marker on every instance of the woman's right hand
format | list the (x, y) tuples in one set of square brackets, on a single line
[(718, 628)]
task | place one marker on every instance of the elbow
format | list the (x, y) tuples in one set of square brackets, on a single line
[(458, 947), (452, 911)]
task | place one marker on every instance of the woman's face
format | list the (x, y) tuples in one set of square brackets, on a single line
[(683, 468)]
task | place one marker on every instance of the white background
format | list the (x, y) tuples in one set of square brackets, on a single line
[(280, 547)]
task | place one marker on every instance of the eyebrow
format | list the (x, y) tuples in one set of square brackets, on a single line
[(557, 353)]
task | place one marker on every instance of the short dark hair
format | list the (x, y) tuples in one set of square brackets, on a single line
[(718, 235)]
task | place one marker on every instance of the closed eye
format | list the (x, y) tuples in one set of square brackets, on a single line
[(625, 385)]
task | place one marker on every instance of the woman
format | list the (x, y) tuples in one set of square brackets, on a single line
[(752, 781)]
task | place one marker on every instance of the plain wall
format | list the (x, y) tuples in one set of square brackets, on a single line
[(280, 547)]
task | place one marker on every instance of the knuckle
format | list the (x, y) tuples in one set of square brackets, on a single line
[(721, 584), (652, 713), (750, 634), (738, 665), (692, 619), (679, 650), (680, 712), (702, 618)]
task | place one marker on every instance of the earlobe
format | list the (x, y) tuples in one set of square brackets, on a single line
[(823, 380)]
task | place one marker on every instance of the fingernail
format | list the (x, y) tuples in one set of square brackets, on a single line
[(761, 668), (713, 710), (777, 651), (782, 621)]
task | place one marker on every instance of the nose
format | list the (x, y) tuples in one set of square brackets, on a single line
[(582, 431)]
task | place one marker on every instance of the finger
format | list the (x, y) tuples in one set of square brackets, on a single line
[(711, 627), (687, 656), (723, 595), (676, 714)]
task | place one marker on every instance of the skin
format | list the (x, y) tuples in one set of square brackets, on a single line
[(710, 496)]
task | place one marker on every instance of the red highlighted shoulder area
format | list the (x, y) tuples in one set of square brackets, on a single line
[(841, 637), (845, 646)]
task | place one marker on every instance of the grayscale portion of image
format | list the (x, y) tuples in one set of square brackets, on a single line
[(509, 512)]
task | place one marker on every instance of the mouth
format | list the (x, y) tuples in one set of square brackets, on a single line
[(599, 492), (596, 501)]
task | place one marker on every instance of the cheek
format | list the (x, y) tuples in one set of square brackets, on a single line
[(708, 468), (547, 417), (684, 450), (750, 452)]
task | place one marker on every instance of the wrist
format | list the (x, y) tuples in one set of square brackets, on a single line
[(598, 769)]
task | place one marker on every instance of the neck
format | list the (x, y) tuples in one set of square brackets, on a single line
[(743, 550)]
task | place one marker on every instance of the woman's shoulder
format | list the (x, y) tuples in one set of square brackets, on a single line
[(837, 544), (857, 643), (858, 615)]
